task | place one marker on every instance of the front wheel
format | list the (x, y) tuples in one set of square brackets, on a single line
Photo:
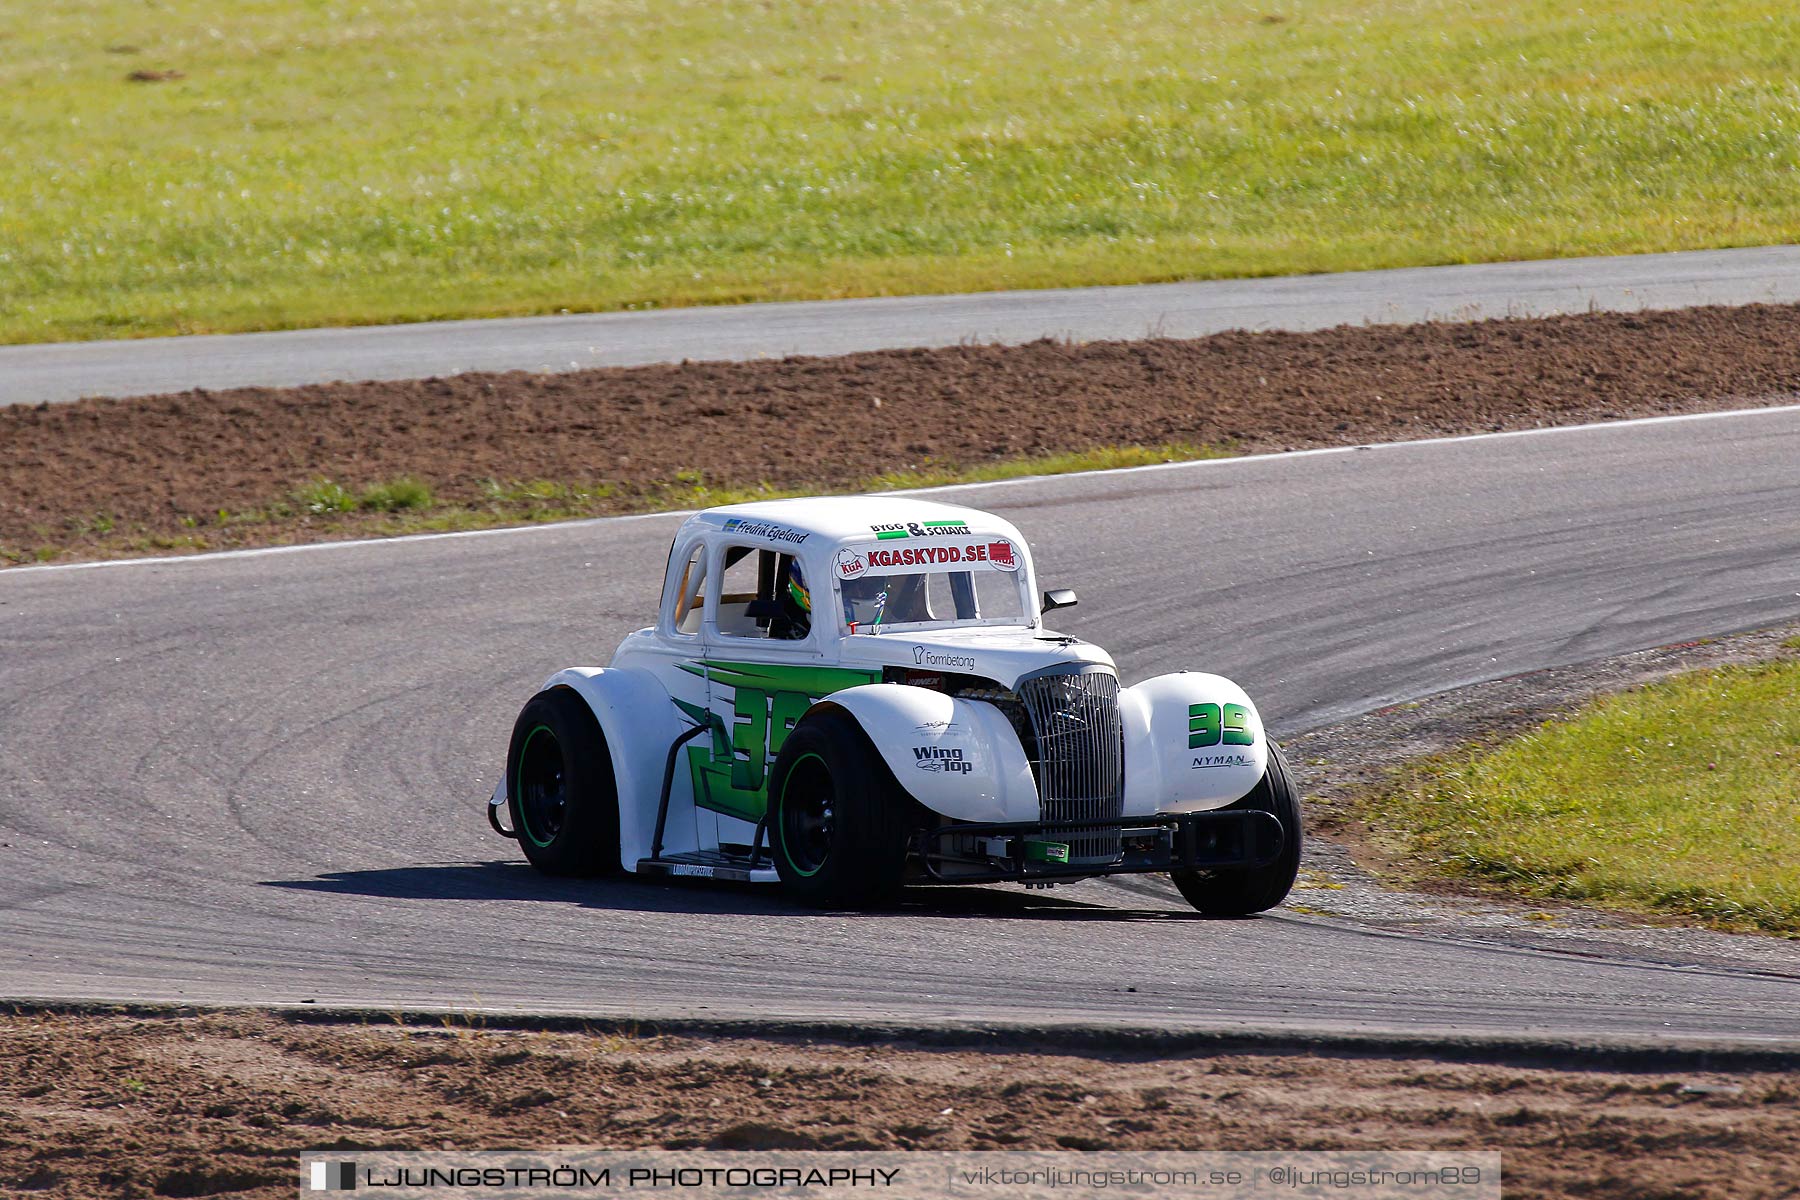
[(837, 824), (559, 780), (1238, 893)]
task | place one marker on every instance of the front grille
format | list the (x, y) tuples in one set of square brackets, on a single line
[(1079, 759)]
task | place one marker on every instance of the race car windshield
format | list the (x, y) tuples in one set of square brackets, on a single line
[(873, 603)]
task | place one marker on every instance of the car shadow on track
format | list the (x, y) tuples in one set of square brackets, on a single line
[(518, 881)]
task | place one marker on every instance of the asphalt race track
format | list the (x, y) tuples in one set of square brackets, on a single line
[(258, 777), (68, 371)]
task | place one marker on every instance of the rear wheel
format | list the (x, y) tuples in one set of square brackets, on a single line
[(837, 824), (1249, 890), (560, 784)]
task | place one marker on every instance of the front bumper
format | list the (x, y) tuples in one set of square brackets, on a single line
[(1013, 852)]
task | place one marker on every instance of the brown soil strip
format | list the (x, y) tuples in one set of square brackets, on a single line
[(223, 1105), (198, 470)]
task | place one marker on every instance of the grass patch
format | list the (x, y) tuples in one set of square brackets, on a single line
[(274, 164), (1681, 797), (323, 497), (396, 495), (1109, 458)]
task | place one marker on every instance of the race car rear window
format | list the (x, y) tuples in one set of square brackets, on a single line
[(690, 590)]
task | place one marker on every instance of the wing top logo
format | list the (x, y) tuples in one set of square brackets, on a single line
[(939, 758)]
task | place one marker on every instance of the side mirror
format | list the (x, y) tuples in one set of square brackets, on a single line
[(1059, 598)]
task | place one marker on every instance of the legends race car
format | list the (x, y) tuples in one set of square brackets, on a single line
[(852, 694)]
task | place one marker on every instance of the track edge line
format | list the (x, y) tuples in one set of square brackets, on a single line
[(1637, 1054)]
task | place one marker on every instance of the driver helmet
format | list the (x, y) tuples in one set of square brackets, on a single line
[(797, 592)]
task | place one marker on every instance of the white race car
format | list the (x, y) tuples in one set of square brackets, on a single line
[(851, 694)]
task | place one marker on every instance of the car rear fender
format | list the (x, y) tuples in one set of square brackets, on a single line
[(959, 758), (1193, 742), (640, 722)]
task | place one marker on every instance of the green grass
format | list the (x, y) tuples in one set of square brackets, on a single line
[(1682, 797), (324, 496), (322, 162), (396, 495), (1108, 458)]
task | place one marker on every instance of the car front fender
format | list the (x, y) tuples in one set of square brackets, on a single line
[(958, 758), (1193, 742)]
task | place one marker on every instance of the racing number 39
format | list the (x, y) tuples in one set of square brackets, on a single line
[(1211, 724), (764, 719)]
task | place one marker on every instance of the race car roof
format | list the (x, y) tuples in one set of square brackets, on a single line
[(839, 519)]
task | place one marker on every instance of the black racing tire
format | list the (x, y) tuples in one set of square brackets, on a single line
[(1239, 893), (837, 819), (559, 783)]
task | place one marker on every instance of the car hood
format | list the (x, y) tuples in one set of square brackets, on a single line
[(1000, 654)]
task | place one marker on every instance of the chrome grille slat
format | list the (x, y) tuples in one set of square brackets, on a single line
[(1079, 760)]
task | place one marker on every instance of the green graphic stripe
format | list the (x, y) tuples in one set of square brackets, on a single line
[(714, 788), (814, 681), (890, 535), (767, 700)]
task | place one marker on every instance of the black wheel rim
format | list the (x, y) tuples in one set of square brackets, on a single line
[(807, 798), (543, 798)]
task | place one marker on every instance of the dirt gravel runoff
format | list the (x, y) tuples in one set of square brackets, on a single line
[(202, 470), (223, 1104)]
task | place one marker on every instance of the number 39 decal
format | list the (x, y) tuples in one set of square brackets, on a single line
[(1212, 724)]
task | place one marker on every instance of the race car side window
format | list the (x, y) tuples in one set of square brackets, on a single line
[(690, 592), (762, 594), (748, 576)]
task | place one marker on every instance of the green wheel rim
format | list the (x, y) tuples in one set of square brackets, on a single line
[(540, 789), (805, 819)]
